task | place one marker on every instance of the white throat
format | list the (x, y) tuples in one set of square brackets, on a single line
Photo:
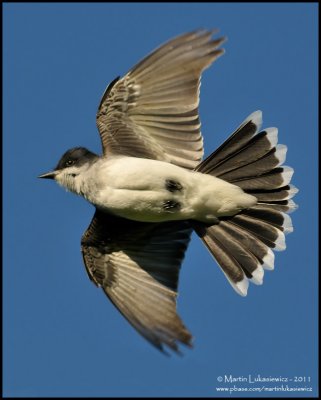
[(72, 178)]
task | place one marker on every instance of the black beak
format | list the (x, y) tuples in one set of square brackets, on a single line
[(48, 175)]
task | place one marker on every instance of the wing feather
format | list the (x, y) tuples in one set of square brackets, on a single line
[(137, 265), (152, 112)]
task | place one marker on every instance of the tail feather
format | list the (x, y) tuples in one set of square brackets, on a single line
[(274, 195), (257, 148), (271, 215), (229, 265), (265, 231), (233, 144), (260, 250), (286, 206), (274, 179), (243, 244), (272, 159)]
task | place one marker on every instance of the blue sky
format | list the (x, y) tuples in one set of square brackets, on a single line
[(62, 337)]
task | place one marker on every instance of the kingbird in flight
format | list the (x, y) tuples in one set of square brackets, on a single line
[(151, 189)]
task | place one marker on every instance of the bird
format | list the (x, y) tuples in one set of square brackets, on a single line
[(151, 189)]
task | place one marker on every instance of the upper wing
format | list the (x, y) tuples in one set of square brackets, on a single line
[(137, 265), (152, 112)]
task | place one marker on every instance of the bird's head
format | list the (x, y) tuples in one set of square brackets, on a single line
[(72, 164)]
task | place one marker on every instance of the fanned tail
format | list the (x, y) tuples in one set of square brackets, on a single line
[(243, 244)]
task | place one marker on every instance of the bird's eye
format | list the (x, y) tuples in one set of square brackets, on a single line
[(69, 163)]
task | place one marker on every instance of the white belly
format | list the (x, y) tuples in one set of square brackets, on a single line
[(155, 191)]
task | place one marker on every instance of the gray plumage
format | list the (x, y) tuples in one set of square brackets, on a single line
[(150, 190)]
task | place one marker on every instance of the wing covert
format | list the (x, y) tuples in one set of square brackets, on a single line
[(152, 112), (137, 265)]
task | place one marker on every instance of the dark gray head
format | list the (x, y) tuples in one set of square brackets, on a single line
[(71, 162), (77, 156)]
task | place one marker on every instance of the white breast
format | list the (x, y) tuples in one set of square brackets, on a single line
[(136, 188)]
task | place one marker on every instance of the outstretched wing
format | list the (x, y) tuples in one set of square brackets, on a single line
[(137, 265), (152, 112)]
